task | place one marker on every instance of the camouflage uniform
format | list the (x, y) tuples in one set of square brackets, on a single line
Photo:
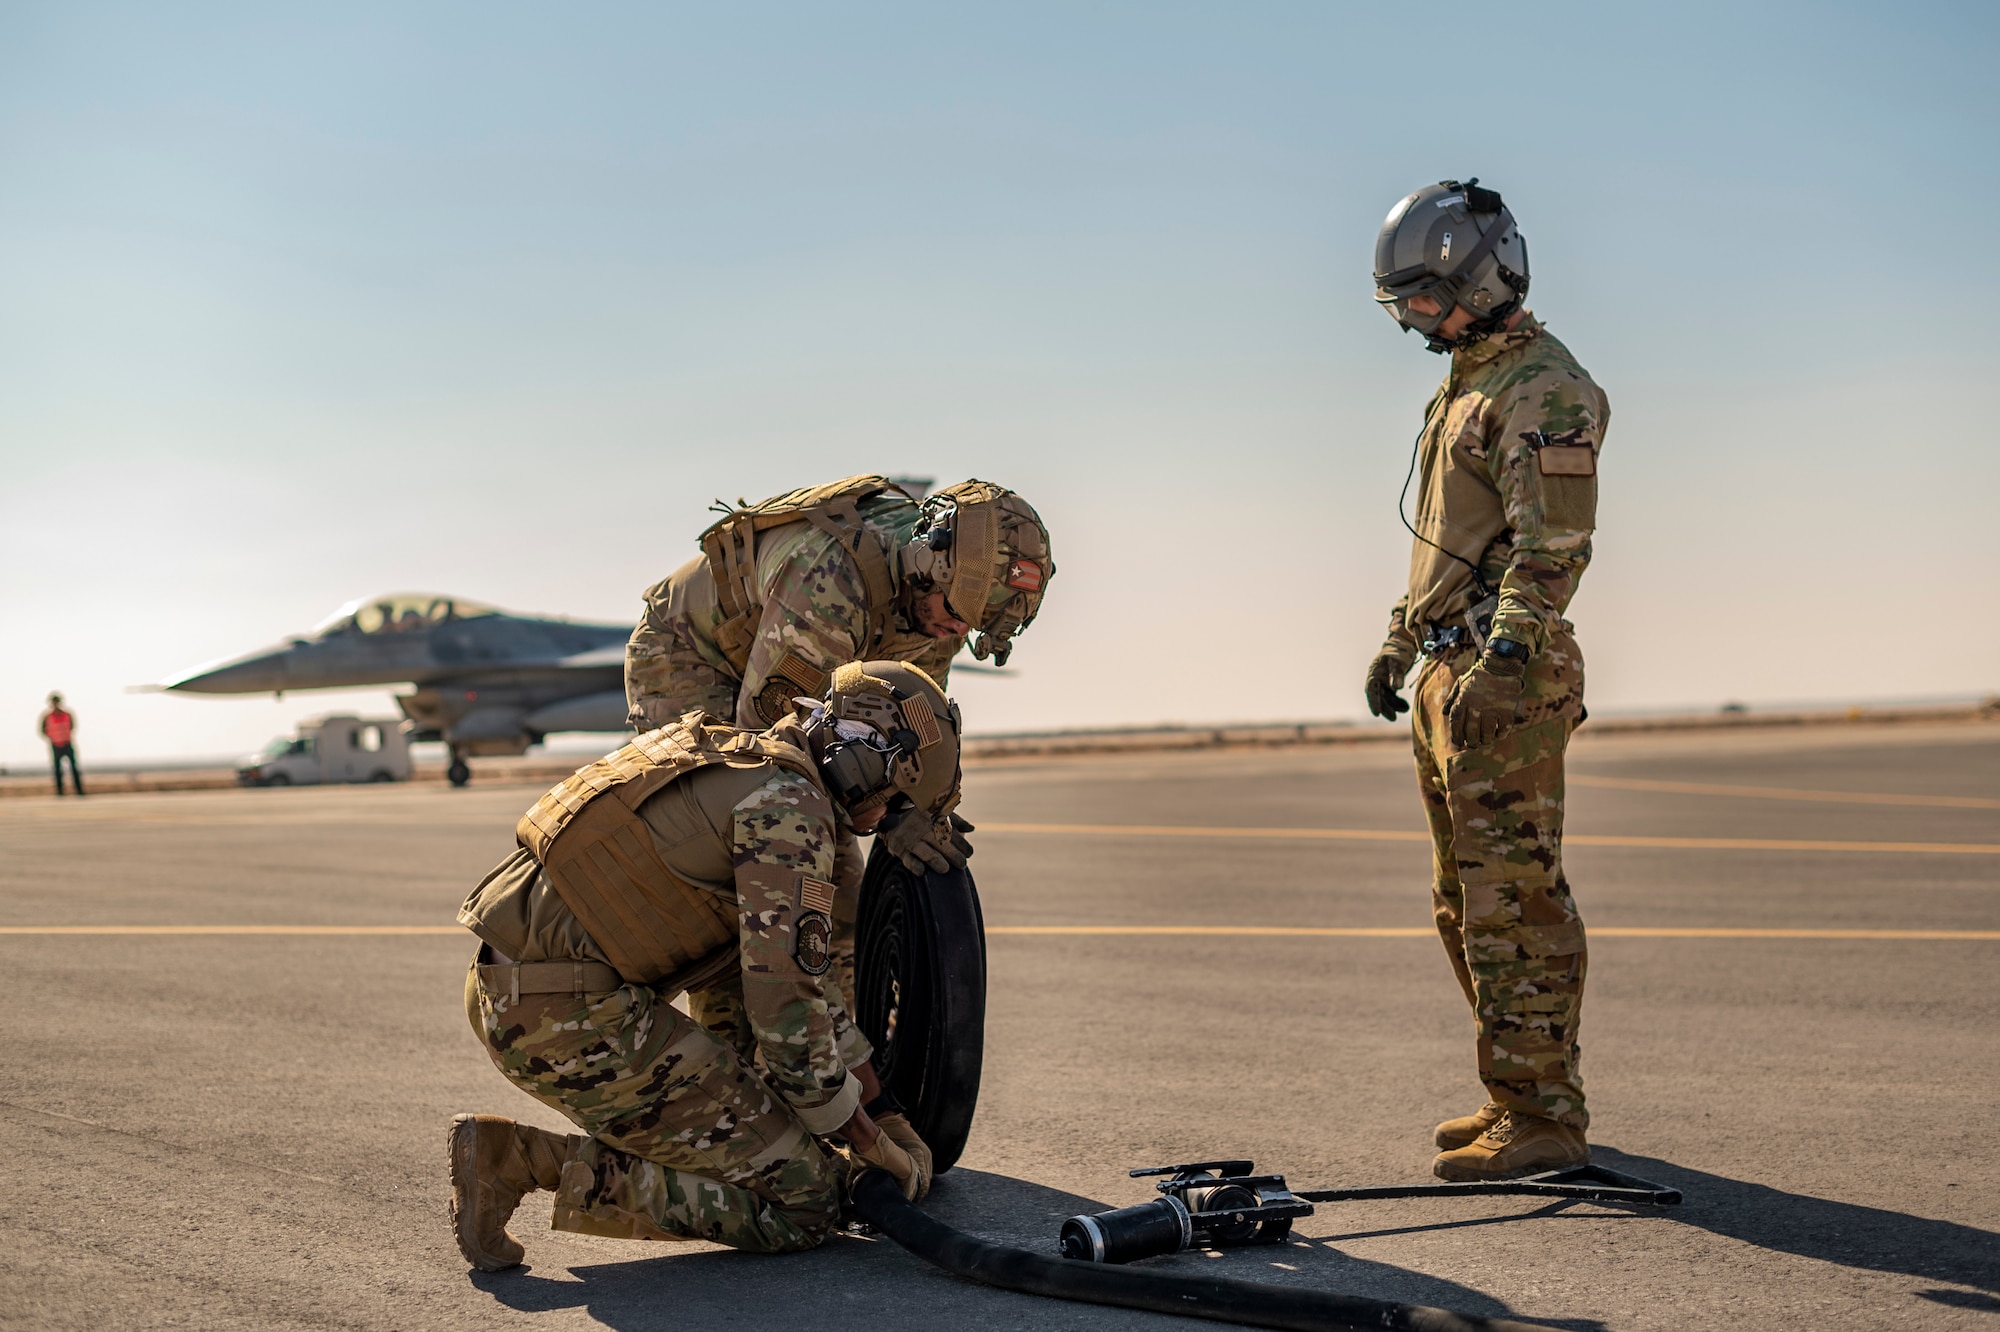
[(1509, 484), (814, 609), (698, 1127)]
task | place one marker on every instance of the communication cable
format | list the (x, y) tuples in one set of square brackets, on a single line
[(1403, 499), (879, 1202)]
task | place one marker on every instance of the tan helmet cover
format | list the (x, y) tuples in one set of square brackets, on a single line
[(996, 566), (899, 700)]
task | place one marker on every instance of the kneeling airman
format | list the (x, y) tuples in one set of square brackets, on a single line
[(695, 859)]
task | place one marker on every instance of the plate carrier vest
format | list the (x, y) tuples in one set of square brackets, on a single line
[(598, 854), (834, 508)]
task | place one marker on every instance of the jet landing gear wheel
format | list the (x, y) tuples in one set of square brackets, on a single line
[(920, 995), (457, 774)]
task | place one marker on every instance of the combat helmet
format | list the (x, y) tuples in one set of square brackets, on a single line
[(884, 734), (986, 549), (1457, 244)]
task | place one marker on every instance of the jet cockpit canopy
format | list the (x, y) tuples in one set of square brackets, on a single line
[(398, 612)]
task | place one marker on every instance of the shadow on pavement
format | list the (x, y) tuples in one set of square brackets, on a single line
[(859, 1281), (1833, 1232)]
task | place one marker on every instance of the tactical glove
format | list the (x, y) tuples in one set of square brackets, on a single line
[(887, 1155), (896, 1126), (1486, 702), (1385, 677), (960, 826), (922, 844)]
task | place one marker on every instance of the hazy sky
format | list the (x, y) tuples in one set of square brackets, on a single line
[(302, 303)]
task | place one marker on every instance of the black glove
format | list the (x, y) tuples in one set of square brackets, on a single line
[(1486, 702), (1385, 677)]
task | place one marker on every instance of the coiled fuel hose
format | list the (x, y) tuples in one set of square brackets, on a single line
[(879, 1202)]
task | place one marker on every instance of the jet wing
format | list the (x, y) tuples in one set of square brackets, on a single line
[(612, 654)]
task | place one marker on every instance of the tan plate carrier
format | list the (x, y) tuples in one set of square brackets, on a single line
[(834, 508), (599, 855)]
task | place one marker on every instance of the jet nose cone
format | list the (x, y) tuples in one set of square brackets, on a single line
[(261, 672)]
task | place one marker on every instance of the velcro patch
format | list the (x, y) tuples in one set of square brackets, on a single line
[(813, 943), (808, 677), (774, 700), (1025, 575), (815, 894), (919, 717), (1566, 460)]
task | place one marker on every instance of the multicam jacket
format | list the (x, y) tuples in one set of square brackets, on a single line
[(814, 618), (1507, 486)]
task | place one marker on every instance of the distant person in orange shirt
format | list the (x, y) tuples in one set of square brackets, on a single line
[(58, 726)]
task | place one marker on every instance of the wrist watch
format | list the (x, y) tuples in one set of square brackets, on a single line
[(1508, 648)]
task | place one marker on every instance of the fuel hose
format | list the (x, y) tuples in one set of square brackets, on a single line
[(879, 1202)]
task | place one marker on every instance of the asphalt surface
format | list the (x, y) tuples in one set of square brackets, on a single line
[(223, 1130)]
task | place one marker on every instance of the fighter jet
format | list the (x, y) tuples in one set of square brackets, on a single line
[(487, 681)]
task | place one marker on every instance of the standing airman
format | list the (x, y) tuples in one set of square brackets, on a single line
[(1506, 504)]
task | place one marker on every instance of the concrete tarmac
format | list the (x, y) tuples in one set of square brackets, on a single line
[(223, 1129)]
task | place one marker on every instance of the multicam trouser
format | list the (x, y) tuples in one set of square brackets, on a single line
[(685, 1141), (1502, 904)]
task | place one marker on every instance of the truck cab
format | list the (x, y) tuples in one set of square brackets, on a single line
[(339, 748)]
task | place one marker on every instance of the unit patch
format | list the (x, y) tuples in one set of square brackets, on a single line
[(774, 700), (814, 942)]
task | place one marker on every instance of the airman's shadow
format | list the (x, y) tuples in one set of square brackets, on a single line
[(852, 1281), (1834, 1232), (1869, 1238)]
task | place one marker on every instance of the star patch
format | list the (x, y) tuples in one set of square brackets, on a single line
[(1025, 575)]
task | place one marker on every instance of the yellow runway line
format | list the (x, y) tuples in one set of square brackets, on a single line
[(1783, 793), (1299, 931), (1600, 932), (1789, 844), (236, 929), (1579, 839), (1183, 830), (1254, 931)]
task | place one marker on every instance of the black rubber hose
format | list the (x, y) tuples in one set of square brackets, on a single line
[(879, 1202)]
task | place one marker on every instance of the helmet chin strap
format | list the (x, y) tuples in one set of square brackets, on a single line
[(1474, 333), (1479, 329)]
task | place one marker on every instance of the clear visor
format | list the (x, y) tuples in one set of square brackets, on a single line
[(1396, 300)]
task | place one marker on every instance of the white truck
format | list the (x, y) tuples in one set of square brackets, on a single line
[(339, 748)]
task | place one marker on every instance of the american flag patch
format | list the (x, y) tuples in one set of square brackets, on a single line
[(815, 895)]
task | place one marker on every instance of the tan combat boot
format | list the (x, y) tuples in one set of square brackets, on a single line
[(1514, 1146), (493, 1162), (1466, 1129)]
